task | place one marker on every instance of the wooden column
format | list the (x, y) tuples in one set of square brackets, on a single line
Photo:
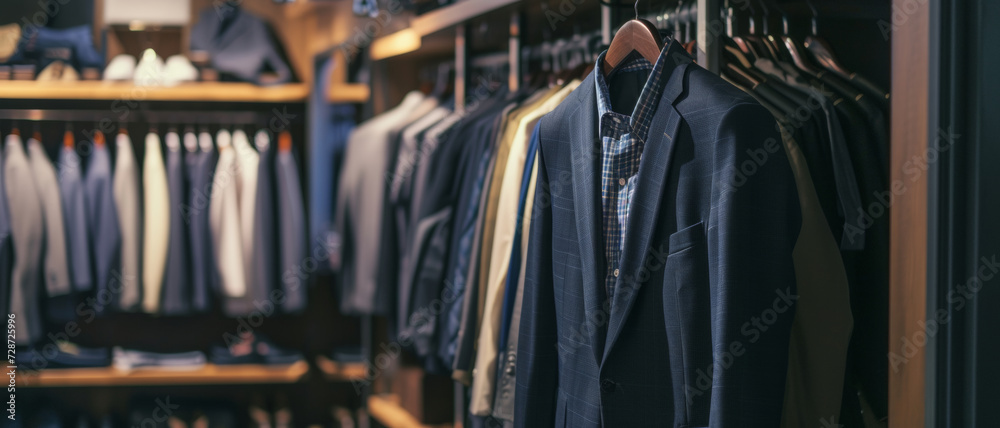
[(908, 236)]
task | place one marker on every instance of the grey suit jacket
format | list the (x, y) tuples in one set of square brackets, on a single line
[(28, 233), (57, 280), (6, 246), (75, 212), (291, 221), (360, 212), (200, 165), (103, 218), (265, 250), (176, 293)]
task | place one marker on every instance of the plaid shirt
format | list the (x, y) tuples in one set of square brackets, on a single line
[(622, 141)]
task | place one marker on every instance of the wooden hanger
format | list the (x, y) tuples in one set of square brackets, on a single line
[(284, 141), (637, 35), (68, 139)]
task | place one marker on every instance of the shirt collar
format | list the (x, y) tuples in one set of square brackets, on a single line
[(649, 98)]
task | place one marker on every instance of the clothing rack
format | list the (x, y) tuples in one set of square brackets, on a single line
[(139, 116), (612, 12)]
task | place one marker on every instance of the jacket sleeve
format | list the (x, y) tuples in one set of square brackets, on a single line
[(537, 360), (753, 227)]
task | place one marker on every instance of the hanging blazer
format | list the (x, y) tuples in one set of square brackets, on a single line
[(697, 332)]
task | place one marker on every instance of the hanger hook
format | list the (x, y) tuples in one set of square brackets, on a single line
[(815, 16), (636, 7), (784, 19), (764, 24)]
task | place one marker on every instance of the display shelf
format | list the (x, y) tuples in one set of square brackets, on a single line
[(209, 374), (200, 91), (386, 410), (298, 9), (409, 39), (450, 16), (335, 370)]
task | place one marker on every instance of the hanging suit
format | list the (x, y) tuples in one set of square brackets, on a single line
[(128, 207), (246, 163), (291, 223), (265, 249), (176, 298), (71, 189), (103, 219), (27, 234), (200, 159), (6, 244), (224, 222), (156, 224), (57, 276), (704, 254)]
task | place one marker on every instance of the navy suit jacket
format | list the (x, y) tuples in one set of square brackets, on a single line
[(697, 333)]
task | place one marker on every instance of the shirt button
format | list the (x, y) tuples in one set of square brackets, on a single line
[(621, 181), (616, 273), (608, 386)]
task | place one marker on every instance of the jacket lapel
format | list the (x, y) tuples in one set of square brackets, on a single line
[(586, 151), (654, 172)]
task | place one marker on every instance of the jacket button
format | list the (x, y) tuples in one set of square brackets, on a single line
[(608, 386)]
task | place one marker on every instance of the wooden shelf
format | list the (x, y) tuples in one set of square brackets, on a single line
[(408, 40), (387, 411), (334, 370), (209, 374), (450, 16), (200, 91), (300, 8)]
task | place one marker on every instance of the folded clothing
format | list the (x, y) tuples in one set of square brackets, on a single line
[(43, 45), (68, 355), (240, 45), (125, 359), (253, 349)]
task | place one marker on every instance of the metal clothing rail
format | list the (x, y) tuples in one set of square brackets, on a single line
[(142, 116)]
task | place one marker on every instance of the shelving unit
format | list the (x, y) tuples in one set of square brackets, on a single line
[(386, 410), (209, 374), (196, 92), (338, 371), (301, 8), (410, 39)]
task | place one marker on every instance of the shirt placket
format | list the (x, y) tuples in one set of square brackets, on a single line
[(617, 171)]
